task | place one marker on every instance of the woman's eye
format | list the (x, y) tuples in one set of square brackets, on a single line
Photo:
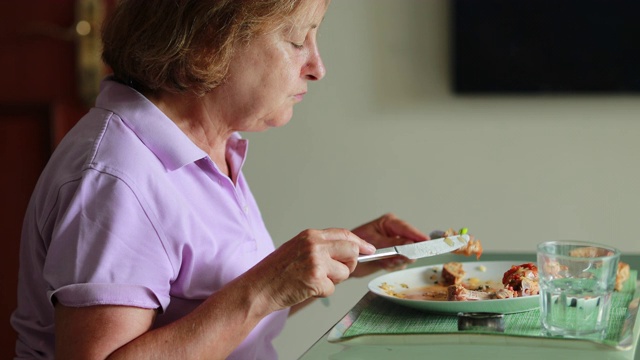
[(297, 46)]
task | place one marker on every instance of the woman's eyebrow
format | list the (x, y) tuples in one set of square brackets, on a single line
[(303, 27), (315, 26)]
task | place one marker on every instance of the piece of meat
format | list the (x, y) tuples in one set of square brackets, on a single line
[(452, 273), (460, 293), (522, 279), (529, 287), (472, 247), (505, 294), (622, 275), (590, 252), (553, 267)]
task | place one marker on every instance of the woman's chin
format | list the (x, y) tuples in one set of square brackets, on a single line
[(281, 120)]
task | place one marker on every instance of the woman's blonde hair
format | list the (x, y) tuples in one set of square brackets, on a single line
[(184, 45)]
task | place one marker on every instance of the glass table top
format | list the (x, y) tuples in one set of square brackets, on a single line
[(453, 346)]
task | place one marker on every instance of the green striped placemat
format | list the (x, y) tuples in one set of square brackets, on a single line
[(382, 317)]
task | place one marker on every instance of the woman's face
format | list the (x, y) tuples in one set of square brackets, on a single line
[(270, 74)]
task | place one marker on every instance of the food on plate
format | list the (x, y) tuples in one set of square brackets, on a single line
[(472, 247), (522, 279), (460, 293), (553, 267), (452, 273), (622, 276), (389, 290), (590, 252), (519, 280), (505, 294), (451, 285)]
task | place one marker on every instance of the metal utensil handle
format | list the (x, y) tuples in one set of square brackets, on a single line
[(379, 254)]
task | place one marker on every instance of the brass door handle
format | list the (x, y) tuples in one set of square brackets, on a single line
[(89, 67), (85, 32)]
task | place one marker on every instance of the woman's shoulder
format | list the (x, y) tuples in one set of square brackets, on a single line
[(101, 141)]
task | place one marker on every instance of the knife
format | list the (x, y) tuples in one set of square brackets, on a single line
[(419, 249)]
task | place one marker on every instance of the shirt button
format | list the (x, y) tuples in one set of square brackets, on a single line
[(246, 209)]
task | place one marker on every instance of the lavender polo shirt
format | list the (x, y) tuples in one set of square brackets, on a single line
[(129, 211)]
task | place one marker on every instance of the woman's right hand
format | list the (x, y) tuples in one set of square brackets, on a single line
[(309, 265)]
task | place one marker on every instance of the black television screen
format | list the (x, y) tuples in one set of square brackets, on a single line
[(546, 46)]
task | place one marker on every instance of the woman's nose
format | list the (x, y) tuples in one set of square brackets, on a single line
[(315, 69)]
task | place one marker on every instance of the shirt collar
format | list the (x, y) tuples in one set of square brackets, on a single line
[(161, 135)]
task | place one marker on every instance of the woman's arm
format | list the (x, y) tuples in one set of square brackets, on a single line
[(308, 266), (211, 331)]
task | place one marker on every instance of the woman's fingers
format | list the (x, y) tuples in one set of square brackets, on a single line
[(396, 227), (311, 264)]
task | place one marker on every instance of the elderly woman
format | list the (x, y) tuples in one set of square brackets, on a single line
[(142, 238)]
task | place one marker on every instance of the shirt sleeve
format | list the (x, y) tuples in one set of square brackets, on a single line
[(105, 249)]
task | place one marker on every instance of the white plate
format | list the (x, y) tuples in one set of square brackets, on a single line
[(423, 276)]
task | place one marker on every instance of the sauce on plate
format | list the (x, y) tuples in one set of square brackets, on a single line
[(437, 292)]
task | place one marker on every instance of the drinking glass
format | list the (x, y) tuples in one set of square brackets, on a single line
[(577, 279)]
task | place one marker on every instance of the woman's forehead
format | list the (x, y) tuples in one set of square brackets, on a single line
[(310, 13)]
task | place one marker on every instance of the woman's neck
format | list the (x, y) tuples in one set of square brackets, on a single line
[(206, 130)]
